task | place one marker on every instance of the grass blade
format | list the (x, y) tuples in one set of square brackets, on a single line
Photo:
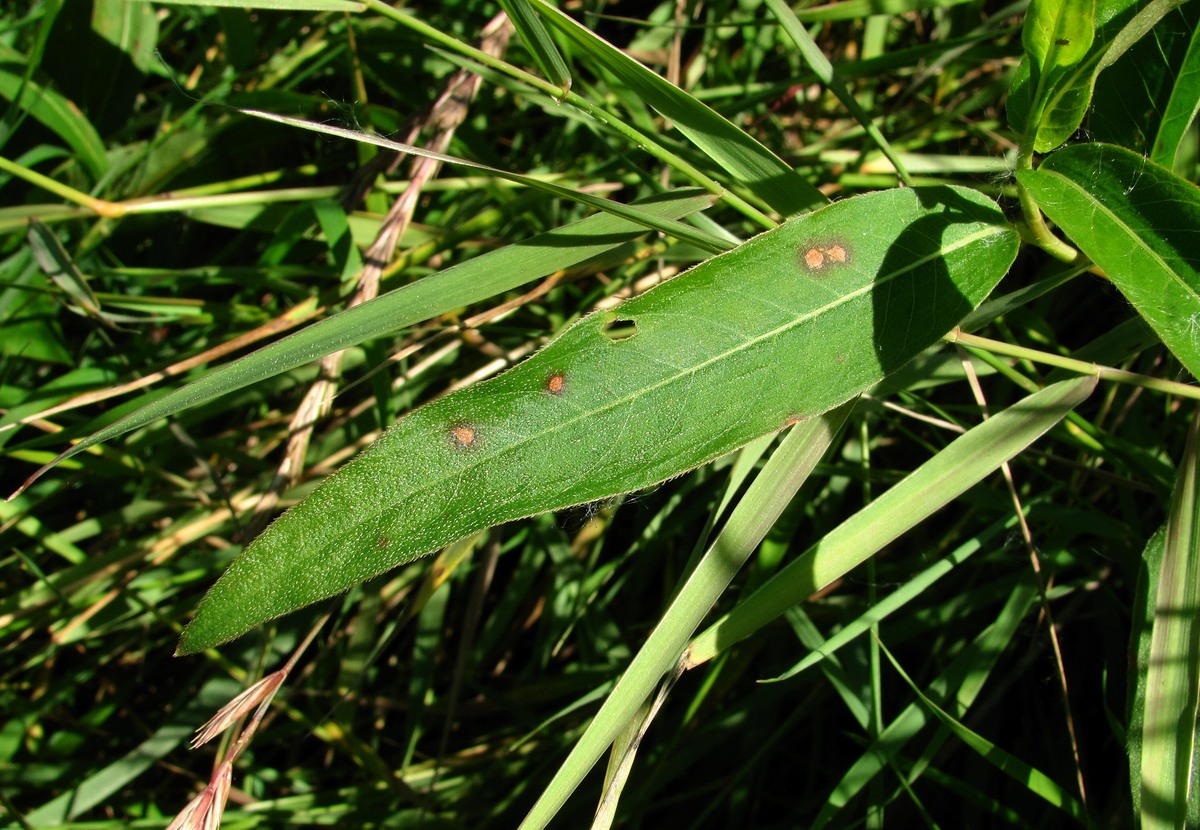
[(745, 159), (936, 483), (1172, 680), (757, 511)]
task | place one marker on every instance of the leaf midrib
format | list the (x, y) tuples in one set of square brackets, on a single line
[(1103, 209), (435, 483)]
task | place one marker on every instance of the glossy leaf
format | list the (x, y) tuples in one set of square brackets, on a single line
[(1052, 103), (1137, 221), (1057, 33), (786, 326)]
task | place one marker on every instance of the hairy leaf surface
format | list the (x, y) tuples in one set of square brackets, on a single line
[(784, 327)]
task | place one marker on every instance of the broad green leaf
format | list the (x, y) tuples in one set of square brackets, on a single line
[(469, 282), (1057, 33), (743, 157), (1137, 221), (1051, 104), (1172, 685), (1067, 100), (786, 326)]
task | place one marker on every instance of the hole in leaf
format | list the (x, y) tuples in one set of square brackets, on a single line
[(618, 329)]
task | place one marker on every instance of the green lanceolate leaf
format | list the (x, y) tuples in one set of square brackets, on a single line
[(784, 327), (1058, 32), (1053, 87), (1137, 221)]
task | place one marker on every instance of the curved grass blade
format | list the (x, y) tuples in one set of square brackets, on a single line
[(1034, 779), (538, 42), (1137, 221), (958, 686), (786, 326), (756, 512), (743, 157), (1171, 686), (460, 285), (933, 485), (1182, 106)]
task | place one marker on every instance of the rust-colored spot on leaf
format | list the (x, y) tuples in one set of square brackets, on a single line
[(817, 257), (383, 543), (556, 384), (463, 436)]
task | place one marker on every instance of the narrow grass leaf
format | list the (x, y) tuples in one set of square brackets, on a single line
[(825, 73), (460, 285), (740, 154), (1172, 684), (539, 43), (930, 487), (788, 325), (1036, 781), (859, 9), (770, 492), (57, 264), (1137, 221), (958, 686), (669, 226), (896, 600), (54, 112), (1181, 107), (273, 5)]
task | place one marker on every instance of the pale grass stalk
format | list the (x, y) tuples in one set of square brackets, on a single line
[(444, 117), (204, 812)]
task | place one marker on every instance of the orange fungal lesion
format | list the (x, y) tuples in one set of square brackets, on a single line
[(463, 436), (556, 383), (816, 257)]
